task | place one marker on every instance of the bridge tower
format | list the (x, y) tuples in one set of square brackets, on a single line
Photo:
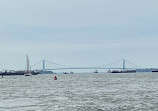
[(124, 64), (44, 65)]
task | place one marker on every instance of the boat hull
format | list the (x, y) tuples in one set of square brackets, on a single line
[(17, 73), (124, 71), (155, 71)]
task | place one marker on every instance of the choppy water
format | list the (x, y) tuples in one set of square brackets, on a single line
[(80, 92)]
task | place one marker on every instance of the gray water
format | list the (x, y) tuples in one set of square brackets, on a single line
[(80, 92)]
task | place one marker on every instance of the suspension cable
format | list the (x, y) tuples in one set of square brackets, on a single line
[(133, 64), (57, 64), (36, 63), (112, 63)]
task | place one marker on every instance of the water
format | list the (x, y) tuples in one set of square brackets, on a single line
[(80, 92)]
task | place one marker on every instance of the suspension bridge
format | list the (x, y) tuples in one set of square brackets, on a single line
[(122, 65)]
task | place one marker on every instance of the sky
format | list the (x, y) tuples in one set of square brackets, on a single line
[(78, 33)]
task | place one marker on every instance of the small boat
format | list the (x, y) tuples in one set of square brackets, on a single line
[(96, 71), (71, 72), (109, 71), (65, 73), (28, 72)]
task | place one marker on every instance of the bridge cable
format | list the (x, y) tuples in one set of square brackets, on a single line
[(58, 64), (133, 64), (111, 63), (36, 63)]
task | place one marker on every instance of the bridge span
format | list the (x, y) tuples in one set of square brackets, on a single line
[(65, 67), (86, 68)]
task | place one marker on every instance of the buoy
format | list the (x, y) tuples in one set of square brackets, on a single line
[(55, 78)]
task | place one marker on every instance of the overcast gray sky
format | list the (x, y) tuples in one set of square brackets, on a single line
[(78, 32)]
